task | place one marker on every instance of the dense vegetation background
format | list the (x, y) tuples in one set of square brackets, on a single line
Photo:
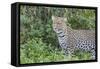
[(38, 41)]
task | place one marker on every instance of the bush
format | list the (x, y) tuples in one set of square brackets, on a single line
[(35, 51)]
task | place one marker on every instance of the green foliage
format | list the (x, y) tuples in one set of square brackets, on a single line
[(35, 51), (38, 41), (81, 18)]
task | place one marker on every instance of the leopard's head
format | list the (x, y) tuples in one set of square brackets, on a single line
[(58, 23)]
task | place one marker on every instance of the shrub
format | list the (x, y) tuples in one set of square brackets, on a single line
[(35, 51)]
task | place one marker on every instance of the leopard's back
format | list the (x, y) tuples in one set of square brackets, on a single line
[(84, 34)]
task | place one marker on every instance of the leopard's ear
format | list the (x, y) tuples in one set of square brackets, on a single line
[(53, 18), (65, 19)]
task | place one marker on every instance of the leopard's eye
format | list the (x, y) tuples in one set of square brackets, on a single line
[(58, 23)]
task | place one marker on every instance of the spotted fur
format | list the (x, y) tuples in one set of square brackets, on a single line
[(71, 40)]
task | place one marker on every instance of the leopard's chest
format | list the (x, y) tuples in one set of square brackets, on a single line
[(62, 38)]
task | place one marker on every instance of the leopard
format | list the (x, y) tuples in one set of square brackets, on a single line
[(71, 40)]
